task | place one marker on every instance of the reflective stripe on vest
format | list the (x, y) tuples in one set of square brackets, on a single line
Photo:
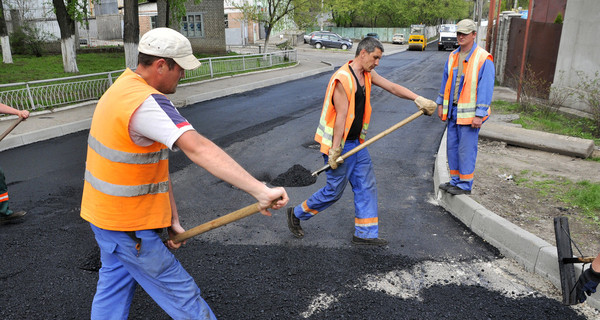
[(126, 191), (4, 197), (324, 134), (127, 157), (467, 100)]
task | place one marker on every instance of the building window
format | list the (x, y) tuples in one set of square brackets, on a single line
[(226, 21), (192, 25)]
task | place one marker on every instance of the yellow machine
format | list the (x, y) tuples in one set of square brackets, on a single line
[(416, 40)]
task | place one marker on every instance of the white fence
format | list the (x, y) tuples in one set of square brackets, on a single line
[(51, 93)]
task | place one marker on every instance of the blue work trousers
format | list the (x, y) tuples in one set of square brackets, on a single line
[(358, 170), (462, 153), (153, 267)]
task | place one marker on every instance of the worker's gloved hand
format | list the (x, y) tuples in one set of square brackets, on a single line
[(587, 283), (334, 154), (428, 106)]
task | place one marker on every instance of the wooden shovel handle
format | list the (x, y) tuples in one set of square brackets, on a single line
[(12, 126), (218, 222), (375, 138)]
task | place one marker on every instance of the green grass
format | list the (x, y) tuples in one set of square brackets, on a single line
[(582, 196), (29, 68), (538, 118)]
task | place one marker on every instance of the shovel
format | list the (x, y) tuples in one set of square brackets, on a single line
[(568, 280), (218, 222), (12, 126), (368, 142)]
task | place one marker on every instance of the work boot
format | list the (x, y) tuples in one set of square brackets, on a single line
[(12, 216), (370, 241), (454, 190), (445, 186), (294, 223)]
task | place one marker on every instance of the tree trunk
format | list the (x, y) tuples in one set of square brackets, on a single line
[(131, 33), (268, 30), (162, 18), (67, 36), (4, 41)]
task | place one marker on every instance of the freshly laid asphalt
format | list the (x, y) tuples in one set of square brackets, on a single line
[(534, 254)]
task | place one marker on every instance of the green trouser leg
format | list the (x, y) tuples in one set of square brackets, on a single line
[(3, 195)]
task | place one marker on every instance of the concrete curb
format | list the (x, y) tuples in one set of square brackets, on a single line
[(533, 253), (555, 143)]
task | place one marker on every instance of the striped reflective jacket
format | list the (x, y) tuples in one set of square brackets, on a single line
[(126, 186), (324, 134), (467, 100)]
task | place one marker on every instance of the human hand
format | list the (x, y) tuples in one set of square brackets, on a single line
[(275, 198), (440, 112), (477, 122), (428, 106), (23, 114), (174, 230), (587, 283), (334, 155)]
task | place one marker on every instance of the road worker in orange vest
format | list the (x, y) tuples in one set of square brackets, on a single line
[(464, 100), (127, 193), (6, 214), (343, 126)]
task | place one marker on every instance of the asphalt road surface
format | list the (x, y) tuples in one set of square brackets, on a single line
[(254, 268)]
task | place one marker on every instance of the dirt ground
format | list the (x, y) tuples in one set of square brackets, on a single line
[(498, 165)]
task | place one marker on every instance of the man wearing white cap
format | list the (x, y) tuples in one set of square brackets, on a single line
[(464, 100), (127, 196)]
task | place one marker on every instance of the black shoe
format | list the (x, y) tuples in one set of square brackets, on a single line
[(454, 190), (445, 186), (370, 242), (11, 217), (294, 223)]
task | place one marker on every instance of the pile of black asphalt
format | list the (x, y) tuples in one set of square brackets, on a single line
[(296, 176)]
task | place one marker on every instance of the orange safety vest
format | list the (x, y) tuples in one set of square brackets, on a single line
[(126, 186), (467, 100), (324, 134)]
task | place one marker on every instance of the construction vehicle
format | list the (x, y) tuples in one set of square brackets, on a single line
[(416, 40)]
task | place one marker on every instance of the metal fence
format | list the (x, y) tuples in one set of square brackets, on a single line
[(42, 94)]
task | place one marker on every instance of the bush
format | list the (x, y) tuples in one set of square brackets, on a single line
[(588, 92), (27, 41)]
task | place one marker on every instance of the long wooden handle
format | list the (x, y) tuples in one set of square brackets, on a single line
[(375, 138), (12, 126), (218, 222)]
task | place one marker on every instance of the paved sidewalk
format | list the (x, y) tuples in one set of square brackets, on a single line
[(533, 253)]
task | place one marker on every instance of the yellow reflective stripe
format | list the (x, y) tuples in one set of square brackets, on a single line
[(467, 110)]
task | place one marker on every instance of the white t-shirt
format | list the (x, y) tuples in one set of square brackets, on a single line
[(157, 119)]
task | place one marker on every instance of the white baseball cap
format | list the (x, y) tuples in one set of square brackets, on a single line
[(168, 43)]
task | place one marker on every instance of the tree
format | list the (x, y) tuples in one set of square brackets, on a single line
[(4, 41), (65, 14), (131, 33), (306, 13)]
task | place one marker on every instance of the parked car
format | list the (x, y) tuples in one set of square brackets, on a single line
[(308, 36), (330, 40), (398, 38), (372, 34)]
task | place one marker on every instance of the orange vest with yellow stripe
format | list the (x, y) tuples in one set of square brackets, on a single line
[(467, 100), (324, 134), (126, 186)]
